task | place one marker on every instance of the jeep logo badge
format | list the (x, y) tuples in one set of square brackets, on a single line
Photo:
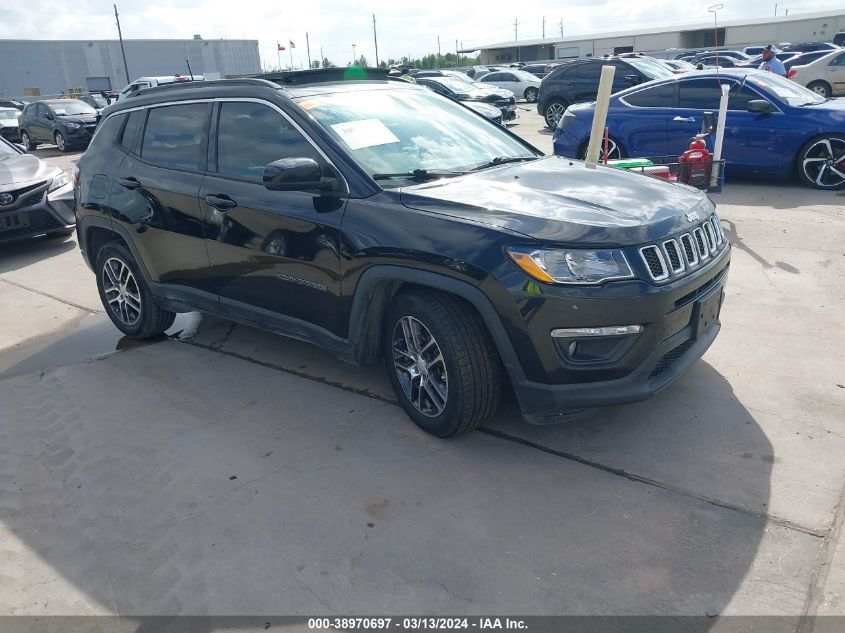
[(692, 216), (6, 198)]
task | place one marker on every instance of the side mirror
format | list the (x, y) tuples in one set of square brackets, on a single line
[(293, 174), (760, 106), (633, 79)]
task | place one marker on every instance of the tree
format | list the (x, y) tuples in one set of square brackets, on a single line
[(361, 61), (327, 63), (315, 63)]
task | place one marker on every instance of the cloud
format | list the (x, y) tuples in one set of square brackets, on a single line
[(335, 25)]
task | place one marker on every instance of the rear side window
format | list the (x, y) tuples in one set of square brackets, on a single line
[(107, 131), (131, 133), (251, 135), (590, 72), (174, 135), (699, 94), (657, 97)]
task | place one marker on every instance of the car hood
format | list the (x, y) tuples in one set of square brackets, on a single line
[(20, 170), (80, 118), (554, 199)]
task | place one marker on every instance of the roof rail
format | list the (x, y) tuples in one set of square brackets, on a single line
[(182, 85), (321, 75)]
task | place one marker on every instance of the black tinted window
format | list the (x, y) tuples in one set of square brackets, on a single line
[(129, 138), (494, 77), (568, 72), (251, 135), (738, 98), (174, 134), (699, 94), (590, 72), (107, 131), (658, 97)]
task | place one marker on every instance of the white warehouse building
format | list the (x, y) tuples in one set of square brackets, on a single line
[(662, 41), (32, 68)]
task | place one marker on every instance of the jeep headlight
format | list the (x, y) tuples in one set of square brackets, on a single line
[(565, 266), (59, 181)]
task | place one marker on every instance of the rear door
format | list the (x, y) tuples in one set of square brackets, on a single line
[(275, 255), (641, 121), (836, 73), (155, 196), (41, 126)]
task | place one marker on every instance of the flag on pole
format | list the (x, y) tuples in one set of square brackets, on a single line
[(279, 46), (292, 45)]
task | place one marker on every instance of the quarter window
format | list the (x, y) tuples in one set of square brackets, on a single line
[(838, 61), (174, 135), (251, 135)]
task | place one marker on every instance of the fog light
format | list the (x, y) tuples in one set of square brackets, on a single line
[(591, 346), (573, 347)]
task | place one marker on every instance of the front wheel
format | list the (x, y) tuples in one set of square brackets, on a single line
[(125, 294), (614, 150), (553, 111), (531, 95), (441, 362), (821, 162), (61, 141)]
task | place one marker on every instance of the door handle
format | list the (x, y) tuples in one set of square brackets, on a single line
[(129, 183), (685, 119), (221, 202)]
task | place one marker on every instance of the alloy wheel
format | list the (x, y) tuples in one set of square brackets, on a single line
[(553, 113), (420, 366), (60, 141), (25, 141), (531, 95), (121, 291), (820, 90), (824, 163), (613, 151)]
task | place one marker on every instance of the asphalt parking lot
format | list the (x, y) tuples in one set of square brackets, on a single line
[(224, 470)]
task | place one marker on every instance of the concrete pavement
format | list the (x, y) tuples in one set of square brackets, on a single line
[(239, 472)]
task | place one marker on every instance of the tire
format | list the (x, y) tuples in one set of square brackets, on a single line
[(468, 372), (614, 147), (26, 141), (61, 142), (821, 162), (821, 88), (552, 112), (136, 314), (531, 95)]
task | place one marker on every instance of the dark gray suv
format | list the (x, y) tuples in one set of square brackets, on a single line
[(67, 123)]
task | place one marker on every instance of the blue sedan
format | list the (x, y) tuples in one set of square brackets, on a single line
[(773, 126)]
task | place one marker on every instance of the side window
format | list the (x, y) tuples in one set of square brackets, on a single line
[(590, 72), (494, 77), (662, 96), (251, 135), (567, 72), (699, 94), (41, 110), (738, 98), (507, 77), (174, 135), (107, 131), (838, 61), (131, 133)]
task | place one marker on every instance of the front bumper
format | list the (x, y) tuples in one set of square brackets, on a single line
[(81, 136), (674, 336), (509, 113), (565, 144), (37, 212)]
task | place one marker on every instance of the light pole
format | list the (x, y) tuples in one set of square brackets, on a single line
[(354, 59), (714, 8)]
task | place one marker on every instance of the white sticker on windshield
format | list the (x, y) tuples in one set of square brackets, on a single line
[(365, 133)]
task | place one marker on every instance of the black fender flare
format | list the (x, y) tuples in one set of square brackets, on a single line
[(87, 222), (370, 299)]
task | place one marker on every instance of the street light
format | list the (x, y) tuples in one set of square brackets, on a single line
[(714, 8), (354, 58)]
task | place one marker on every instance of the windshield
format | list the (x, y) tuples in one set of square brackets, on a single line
[(650, 69), (681, 64), (70, 107), (9, 113), (788, 91), (101, 103), (401, 131)]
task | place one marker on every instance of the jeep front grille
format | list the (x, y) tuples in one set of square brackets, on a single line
[(681, 254)]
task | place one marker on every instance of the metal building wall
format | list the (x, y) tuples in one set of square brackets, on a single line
[(53, 67)]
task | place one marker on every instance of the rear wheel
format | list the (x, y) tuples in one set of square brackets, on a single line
[(553, 111), (531, 95), (821, 162), (26, 141), (125, 294), (821, 88), (441, 362)]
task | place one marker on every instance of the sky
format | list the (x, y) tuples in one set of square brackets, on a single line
[(403, 27)]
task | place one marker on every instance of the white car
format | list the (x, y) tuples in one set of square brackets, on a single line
[(150, 82), (825, 76), (522, 84)]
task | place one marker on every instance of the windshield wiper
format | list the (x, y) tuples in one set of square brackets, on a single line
[(419, 174), (501, 160)]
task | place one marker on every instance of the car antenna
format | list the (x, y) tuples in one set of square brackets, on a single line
[(190, 72)]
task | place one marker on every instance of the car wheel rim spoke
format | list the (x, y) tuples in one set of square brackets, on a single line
[(121, 291), (420, 366)]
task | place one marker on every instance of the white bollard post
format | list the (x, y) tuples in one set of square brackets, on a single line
[(600, 115), (720, 135)]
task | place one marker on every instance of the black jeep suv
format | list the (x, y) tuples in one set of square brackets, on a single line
[(385, 222), (578, 80)]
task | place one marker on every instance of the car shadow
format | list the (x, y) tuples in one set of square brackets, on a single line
[(652, 508), (23, 253), (753, 191)]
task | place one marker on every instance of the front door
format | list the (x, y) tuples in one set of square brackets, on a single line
[(155, 196), (836, 74), (275, 255)]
